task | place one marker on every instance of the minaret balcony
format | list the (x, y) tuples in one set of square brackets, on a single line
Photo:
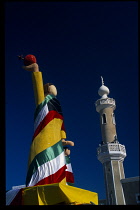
[(104, 103), (111, 151)]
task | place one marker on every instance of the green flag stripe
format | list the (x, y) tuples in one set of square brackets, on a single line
[(40, 106), (67, 159), (43, 157), (71, 184)]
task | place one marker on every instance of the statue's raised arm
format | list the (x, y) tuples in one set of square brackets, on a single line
[(30, 64), (40, 90)]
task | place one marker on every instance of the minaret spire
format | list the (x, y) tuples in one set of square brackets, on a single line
[(102, 80)]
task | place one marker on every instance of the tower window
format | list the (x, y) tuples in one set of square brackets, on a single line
[(104, 119), (113, 119)]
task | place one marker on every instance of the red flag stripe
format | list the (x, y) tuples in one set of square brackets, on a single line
[(69, 177), (54, 178), (50, 116)]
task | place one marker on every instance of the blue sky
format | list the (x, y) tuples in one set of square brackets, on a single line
[(75, 43)]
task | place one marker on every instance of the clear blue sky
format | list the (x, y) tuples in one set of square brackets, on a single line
[(74, 43)]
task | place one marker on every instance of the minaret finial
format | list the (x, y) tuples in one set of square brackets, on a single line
[(103, 90), (102, 80)]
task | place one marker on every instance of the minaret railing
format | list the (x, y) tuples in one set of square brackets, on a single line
[(105, 101), (111, 147)]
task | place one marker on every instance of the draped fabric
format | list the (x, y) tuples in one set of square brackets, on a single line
[(69, 172), (51, 194), (14, 197), (47, 162)]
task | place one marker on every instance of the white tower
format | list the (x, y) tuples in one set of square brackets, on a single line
[(110, 152)]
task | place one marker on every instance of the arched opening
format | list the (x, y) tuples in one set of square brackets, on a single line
[(104, 120), (113, 119)]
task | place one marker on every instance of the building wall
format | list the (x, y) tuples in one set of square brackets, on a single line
[(110, 196), (108, 130), (102, 202), (131, 188), (114, 191), (120, 200), (122, 175)]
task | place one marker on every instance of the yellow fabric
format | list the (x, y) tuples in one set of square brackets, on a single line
[(77, 195), (44, 195), (63, 181), (43, 141), (63, 134), (30, 196), (38, 87), (53, 194)]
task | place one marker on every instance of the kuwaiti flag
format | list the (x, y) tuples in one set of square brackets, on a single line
[(69, 172), (47, 162)]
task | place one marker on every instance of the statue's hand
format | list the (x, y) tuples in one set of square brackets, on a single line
[(32, 67), (67, 152), (71, 143)]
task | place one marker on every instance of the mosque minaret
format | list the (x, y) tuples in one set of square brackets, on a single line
[(110, 152)]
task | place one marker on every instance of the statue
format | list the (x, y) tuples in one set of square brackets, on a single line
[(49, 168), (46, 164)]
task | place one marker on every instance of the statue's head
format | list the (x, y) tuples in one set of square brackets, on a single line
[(49, 88)]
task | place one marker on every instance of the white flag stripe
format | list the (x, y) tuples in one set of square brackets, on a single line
[(47, 169), (69, 168), (44, 111)]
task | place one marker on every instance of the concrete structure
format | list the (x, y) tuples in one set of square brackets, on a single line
[(131, 188), (102, 202), (110, 152)]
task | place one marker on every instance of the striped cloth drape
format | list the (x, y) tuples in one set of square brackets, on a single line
[(47, 162), (69, 172)]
